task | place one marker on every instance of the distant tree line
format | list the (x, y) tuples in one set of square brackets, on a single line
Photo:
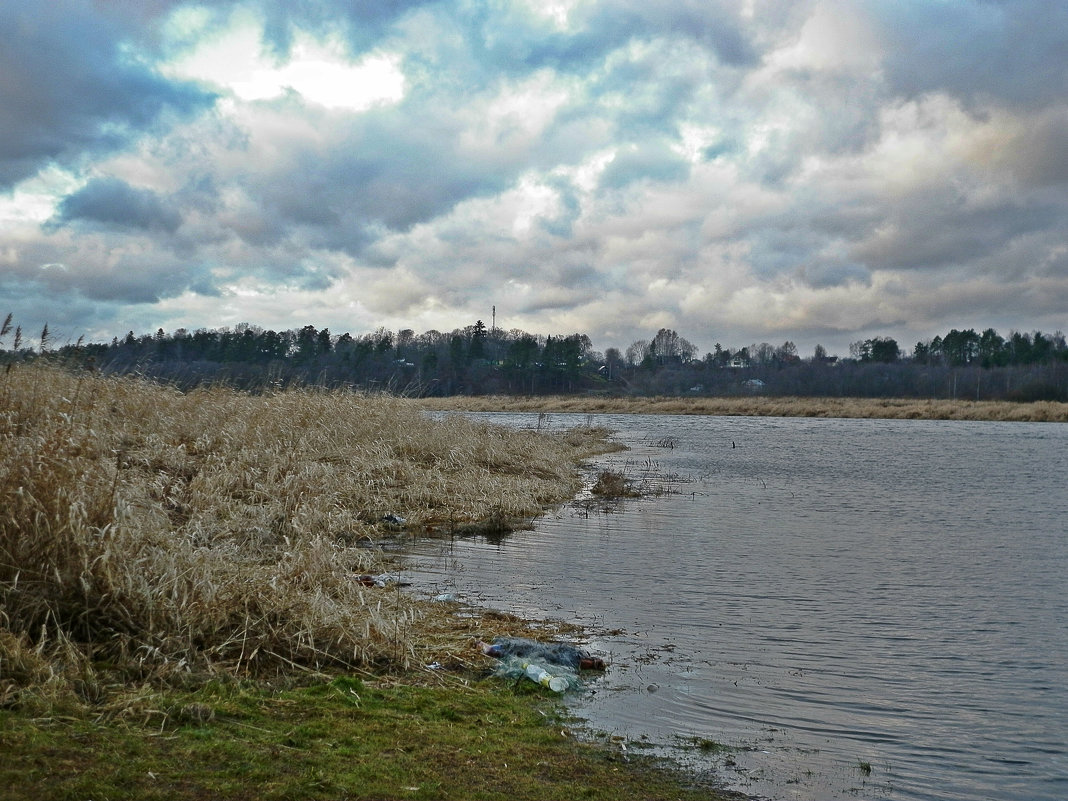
[(477, 360)]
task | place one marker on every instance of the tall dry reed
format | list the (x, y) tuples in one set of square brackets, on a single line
[(148, 534)]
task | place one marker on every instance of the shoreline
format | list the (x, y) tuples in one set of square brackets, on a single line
[(762, 406), (185, 596)]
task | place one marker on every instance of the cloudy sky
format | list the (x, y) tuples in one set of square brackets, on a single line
[(741, 171)]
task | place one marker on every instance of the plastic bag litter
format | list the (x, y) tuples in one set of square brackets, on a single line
[(555, 677), (553, 653), (383, 580)]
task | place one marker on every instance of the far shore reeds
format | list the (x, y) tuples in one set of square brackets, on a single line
[(763, 406)]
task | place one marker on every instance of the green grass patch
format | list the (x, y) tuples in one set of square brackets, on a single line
[(339, 739)]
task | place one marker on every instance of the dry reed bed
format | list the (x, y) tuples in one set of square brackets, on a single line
[(166, 535), (886, 408)]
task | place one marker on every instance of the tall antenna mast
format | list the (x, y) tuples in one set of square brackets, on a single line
[(493, 324)]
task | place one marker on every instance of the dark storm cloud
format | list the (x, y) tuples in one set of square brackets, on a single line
[(364, 22), (939, 228), (400, 175), (135, 279), (1014, 51), (121, 271), (1038, 156), (713, 25), (350, 199), (512, 40), (68, 90), (826, 274), (385, 170), (117, 204)]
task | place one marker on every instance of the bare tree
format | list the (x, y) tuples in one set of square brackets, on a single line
[(637, 351)]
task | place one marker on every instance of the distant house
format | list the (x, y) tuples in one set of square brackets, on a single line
[(738, 362), (753, 385)]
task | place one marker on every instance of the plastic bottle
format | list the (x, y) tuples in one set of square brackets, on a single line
[(539, 675)]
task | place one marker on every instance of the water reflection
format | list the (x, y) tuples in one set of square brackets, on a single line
[(870, 607)]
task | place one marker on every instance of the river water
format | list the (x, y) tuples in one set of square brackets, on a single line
[(858, 608)]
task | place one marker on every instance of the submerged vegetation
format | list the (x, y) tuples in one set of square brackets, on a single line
[(613, 484)]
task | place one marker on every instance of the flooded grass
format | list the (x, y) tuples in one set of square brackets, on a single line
[(613, 484)]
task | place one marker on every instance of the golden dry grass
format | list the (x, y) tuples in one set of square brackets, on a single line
[(886, 408), (149, 534)]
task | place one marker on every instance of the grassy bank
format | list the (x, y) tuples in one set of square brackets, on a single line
[(886, 408), (340, 739), (184, 613)]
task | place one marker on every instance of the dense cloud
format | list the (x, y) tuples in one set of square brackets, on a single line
[(1014, 52), (815, 170), (69, 93), (115, 203)]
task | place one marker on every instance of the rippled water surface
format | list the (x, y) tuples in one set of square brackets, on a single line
[(862, 608)]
